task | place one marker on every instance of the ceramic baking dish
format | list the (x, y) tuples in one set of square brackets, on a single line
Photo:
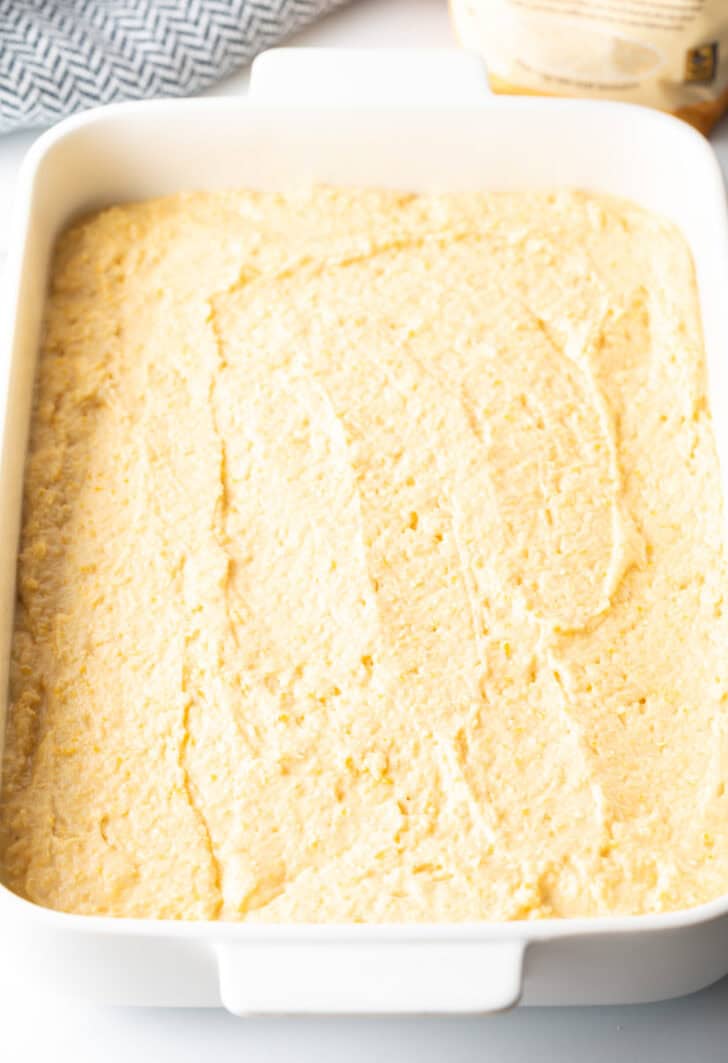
[(454, 136)]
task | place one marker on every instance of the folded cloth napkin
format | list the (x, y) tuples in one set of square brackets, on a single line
[(61, 56)]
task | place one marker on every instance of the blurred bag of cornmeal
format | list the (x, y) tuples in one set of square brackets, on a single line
[(669, 54)]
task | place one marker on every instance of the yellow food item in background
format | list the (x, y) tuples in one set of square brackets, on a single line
[(670, 56)]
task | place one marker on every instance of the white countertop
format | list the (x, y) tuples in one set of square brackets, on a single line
[(35, 1026)]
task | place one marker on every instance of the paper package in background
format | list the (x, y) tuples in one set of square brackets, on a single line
[(668, 54)]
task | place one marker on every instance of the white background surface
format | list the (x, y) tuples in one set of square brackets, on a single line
[(42, 1027)]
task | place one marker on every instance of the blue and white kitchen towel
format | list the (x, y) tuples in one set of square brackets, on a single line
[(61, 56)]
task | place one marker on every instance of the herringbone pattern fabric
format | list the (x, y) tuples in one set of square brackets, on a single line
[(61, 56)]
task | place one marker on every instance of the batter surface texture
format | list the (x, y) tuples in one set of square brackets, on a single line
[(371, 566)]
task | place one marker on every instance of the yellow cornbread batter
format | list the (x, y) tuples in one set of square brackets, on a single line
[(371, 566)]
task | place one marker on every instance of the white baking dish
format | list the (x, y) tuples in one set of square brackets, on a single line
[(139, 150)]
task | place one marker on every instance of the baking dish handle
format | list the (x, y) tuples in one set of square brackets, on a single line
[(372, 977), (337, 77)]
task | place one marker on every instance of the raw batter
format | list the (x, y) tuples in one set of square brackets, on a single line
[(371, 567)]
